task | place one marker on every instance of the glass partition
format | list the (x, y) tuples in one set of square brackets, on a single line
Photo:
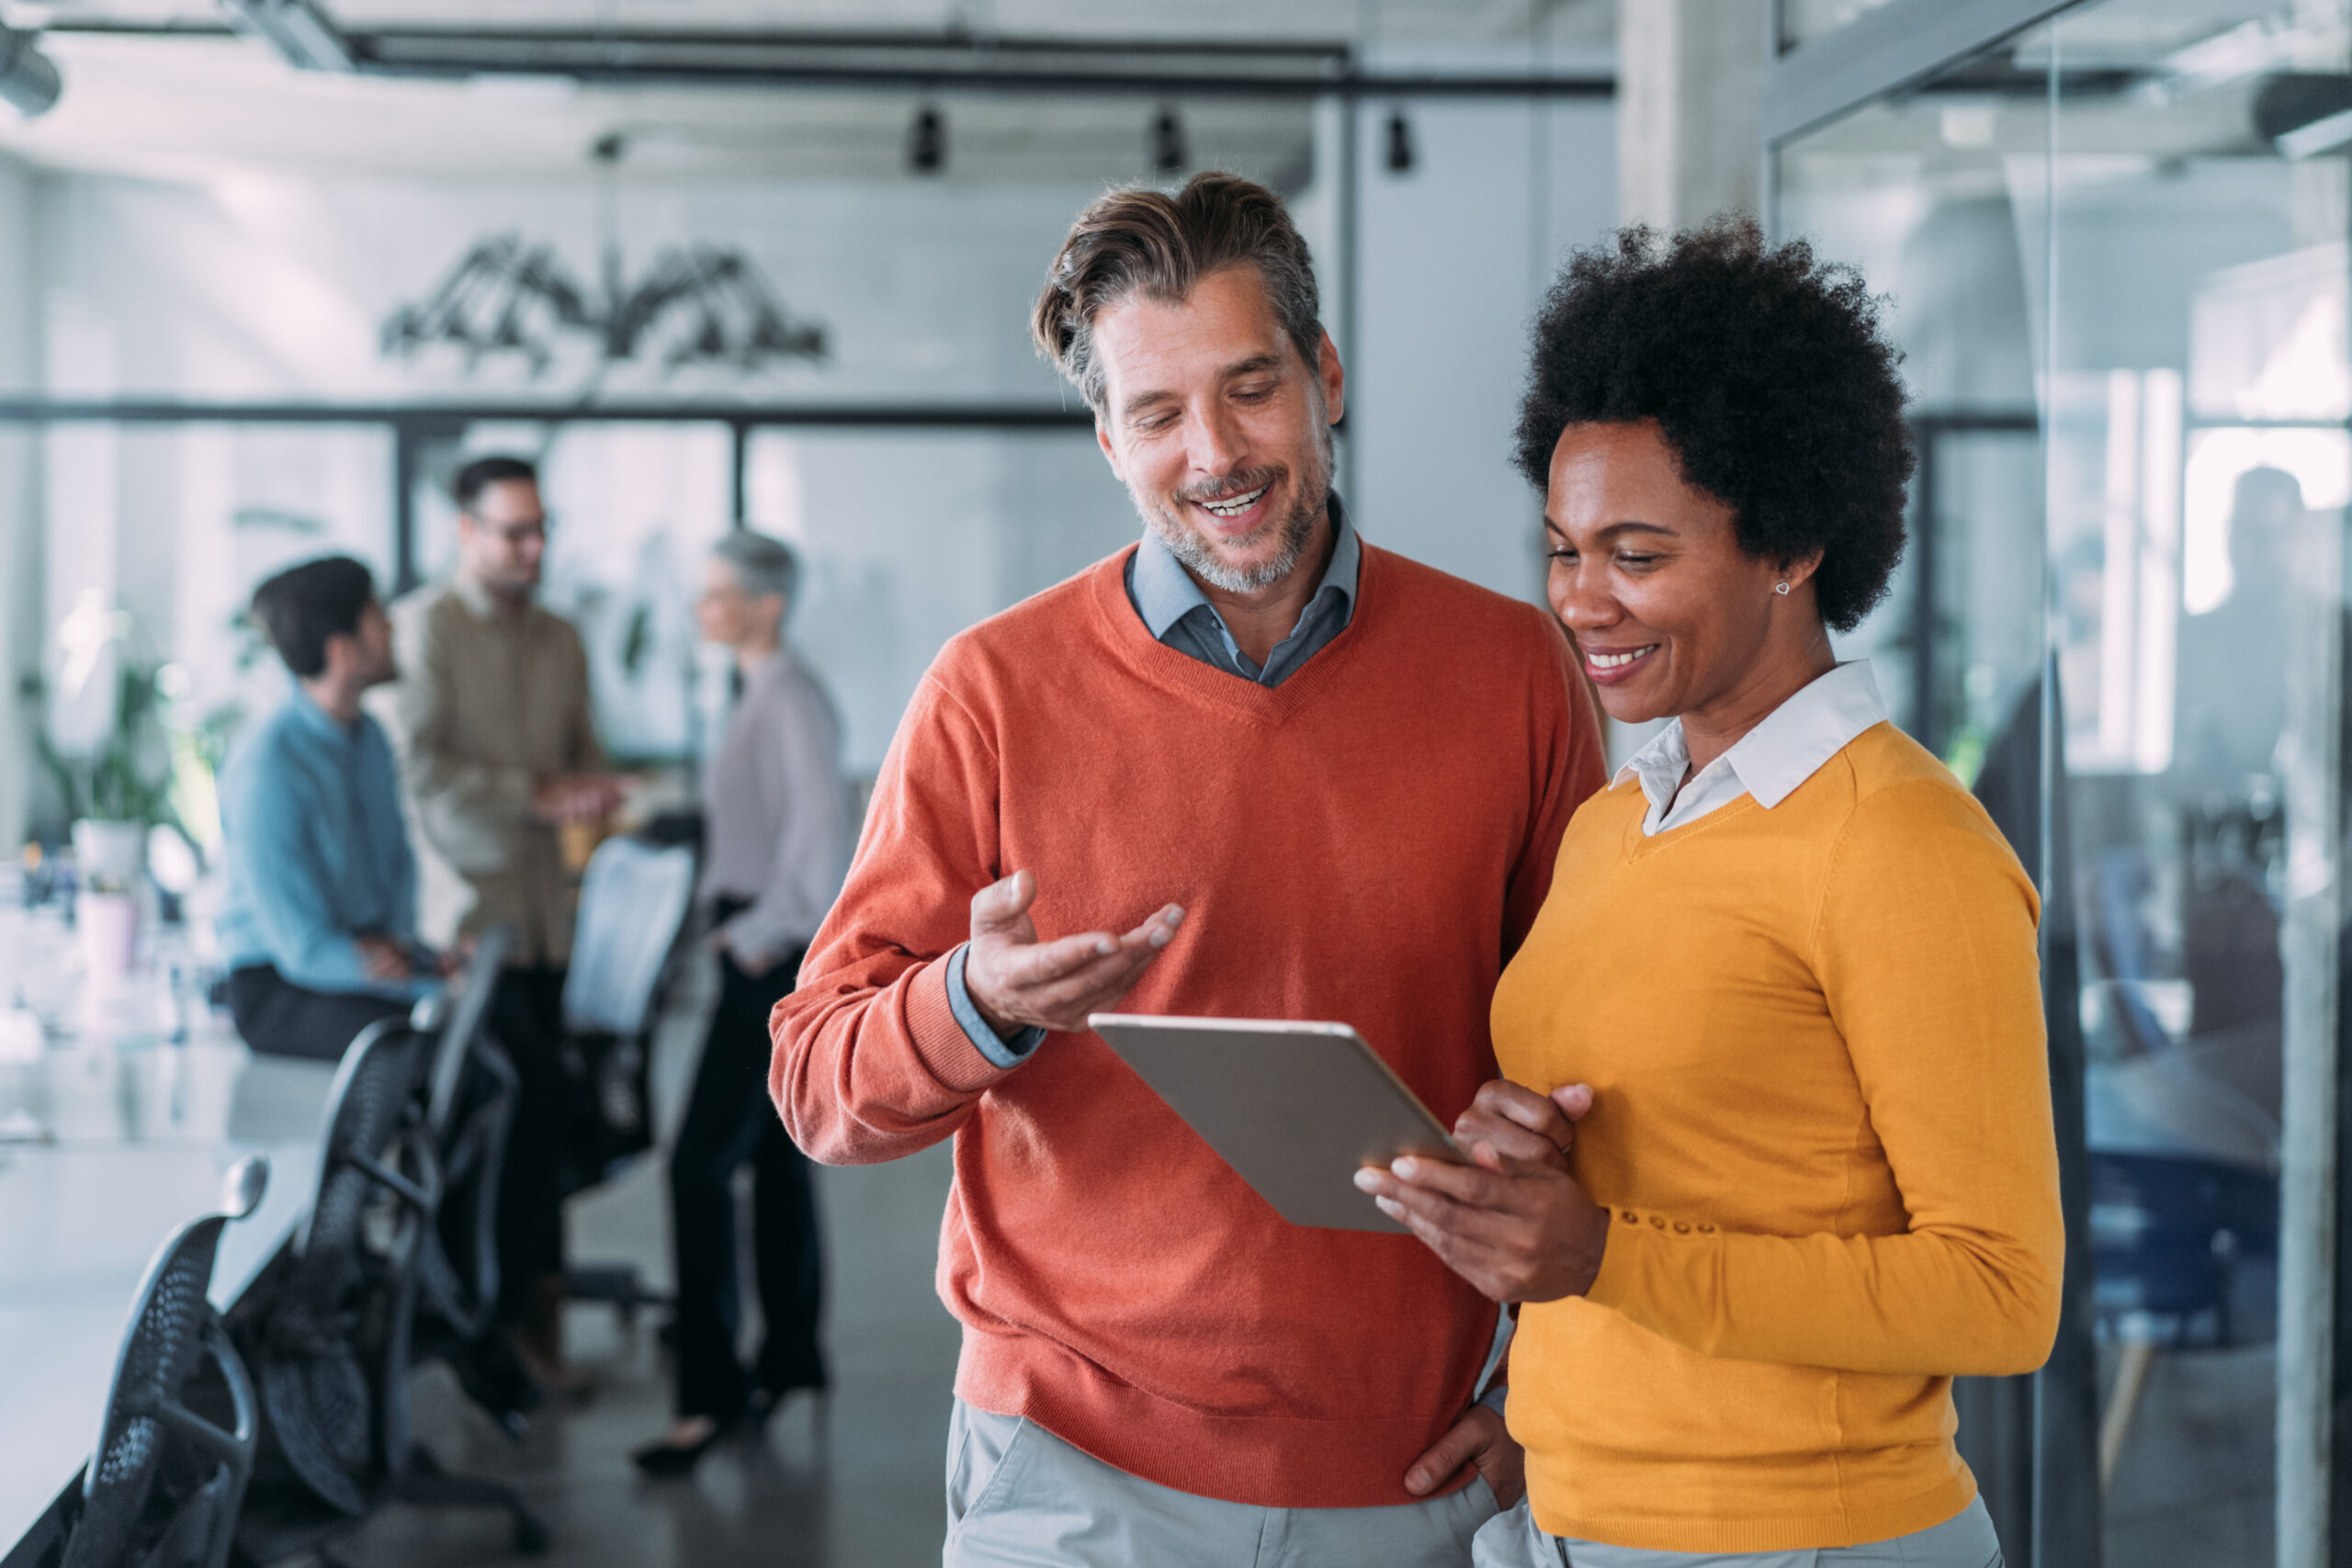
[(2115, 252)]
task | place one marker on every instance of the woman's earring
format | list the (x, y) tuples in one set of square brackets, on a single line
[(1781, 589)]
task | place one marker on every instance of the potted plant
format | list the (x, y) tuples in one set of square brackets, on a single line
[(114, 796)]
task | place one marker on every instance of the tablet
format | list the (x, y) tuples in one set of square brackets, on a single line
[(1294, 1108)]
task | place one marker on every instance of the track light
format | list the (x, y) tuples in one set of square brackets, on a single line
[(1400, 142), (927, 140), (29, 79), (1169, 153)]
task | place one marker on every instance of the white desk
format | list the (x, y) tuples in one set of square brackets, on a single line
[(141, 1134)]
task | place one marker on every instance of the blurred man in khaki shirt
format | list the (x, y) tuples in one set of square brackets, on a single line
[(499, 753)]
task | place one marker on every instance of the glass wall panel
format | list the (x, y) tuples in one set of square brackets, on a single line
[(2197, 476), (1919, 194), (155, 537), (630, 508), (907, 539), (2129, 225)]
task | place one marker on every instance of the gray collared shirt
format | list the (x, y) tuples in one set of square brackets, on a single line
[(1175, 611), (778, 832)]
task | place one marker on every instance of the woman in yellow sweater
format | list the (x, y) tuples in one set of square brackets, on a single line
[(1772, 1160)]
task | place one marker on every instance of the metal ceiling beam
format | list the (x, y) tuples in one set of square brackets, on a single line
[(307, 36), (21, 410)]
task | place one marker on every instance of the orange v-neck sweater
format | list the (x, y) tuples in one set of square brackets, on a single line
[(1365, 842), (1821, 1114)]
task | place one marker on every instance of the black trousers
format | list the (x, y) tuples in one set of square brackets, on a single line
[(730, 1122), (526, 1017), (278, 1018)]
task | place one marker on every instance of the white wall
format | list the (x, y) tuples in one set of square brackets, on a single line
[(1455, 256)]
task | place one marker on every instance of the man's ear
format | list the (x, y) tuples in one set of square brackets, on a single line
[(1110, 452), (1334, 377)]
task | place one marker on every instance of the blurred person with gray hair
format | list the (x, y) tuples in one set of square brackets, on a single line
[(777, 841)]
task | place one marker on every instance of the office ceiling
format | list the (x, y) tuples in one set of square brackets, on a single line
[(162, 88)]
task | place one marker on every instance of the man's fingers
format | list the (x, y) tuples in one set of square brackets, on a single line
[(1574, 1100), (1098, 986), (1071, 966), (1002, 909), (1461, 1443), (1032, 965), (1158, 931)]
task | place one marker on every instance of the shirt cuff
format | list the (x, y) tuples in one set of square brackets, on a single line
[(1001, 1052), (1493, 1398)]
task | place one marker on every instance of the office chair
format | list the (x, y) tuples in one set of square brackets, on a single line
[(2177, 1240), (470, 1094), (333, 1345), (162, 1488), (634, 898)]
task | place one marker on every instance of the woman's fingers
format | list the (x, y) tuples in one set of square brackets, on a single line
[(1520, 1123), (1451, 1215)]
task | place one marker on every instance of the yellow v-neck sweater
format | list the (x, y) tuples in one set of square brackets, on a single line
[(1821, 1119)]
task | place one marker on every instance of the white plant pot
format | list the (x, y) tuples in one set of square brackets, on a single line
[(109, 924), (110, 854)]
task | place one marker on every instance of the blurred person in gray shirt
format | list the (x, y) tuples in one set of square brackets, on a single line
[(776, 846)]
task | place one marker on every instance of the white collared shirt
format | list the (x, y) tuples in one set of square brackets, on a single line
[(1769, 763)]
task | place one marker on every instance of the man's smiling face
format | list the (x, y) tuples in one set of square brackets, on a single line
[(1218, 427)]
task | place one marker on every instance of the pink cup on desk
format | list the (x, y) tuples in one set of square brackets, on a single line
[(109, 924)]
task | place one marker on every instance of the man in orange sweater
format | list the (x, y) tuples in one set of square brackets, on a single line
[(1306, 778)]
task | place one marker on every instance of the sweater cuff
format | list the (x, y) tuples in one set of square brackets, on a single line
[(1003, 1052), (1634, 1236), (945, 1049)]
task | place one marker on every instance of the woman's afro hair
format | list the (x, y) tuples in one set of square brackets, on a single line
[(1769, 375)]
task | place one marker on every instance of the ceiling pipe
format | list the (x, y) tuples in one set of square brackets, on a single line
[(307, 36)]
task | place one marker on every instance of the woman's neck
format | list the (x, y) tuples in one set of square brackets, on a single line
[(1720, 724), (750, 651)]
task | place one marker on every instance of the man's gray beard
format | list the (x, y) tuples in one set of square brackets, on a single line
[(1199, 560)]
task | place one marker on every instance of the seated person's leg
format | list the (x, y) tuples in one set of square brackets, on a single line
[(277, 1018)]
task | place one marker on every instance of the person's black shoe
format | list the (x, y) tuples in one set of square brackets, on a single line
[(667, 1461)]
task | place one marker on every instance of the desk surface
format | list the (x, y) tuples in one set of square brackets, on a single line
[(139, 1134)]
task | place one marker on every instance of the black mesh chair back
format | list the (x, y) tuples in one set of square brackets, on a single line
[(176, 1446), (470, 1106), (338, 1414), (336, 1346)]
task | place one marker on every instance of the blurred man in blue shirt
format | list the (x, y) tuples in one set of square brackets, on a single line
[(319, 924)]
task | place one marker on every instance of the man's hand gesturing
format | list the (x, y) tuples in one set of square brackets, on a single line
[(1019, 982)]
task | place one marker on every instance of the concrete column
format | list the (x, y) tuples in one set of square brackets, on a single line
[(1690, 84)]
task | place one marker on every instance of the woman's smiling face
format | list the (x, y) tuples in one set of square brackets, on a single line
[(1670, 614)]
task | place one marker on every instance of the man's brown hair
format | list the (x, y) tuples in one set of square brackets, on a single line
[(1147, 241)]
